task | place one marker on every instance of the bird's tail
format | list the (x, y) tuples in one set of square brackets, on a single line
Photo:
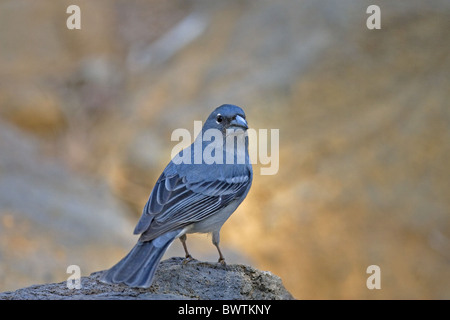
[(138, 267)]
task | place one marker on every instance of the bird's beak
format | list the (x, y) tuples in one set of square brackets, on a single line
[(239, 122)]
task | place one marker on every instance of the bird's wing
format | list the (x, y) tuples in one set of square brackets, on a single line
[(176, 201)]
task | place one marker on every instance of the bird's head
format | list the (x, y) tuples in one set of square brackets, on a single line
[(227, 116)]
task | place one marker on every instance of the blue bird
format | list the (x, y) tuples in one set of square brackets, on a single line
[(190, 197)]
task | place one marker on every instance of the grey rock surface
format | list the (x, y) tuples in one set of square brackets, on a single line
[(173, 280)]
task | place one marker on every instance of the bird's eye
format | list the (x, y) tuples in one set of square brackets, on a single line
[(219, 118)]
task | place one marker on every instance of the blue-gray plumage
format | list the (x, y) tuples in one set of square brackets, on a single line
[(190, 197)]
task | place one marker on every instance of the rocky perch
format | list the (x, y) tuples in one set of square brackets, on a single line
[(173, 280)]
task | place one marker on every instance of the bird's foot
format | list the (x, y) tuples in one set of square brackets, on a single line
[(222, 262), (187, 259)]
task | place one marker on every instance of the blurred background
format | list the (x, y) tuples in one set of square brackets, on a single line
[(86, 118)]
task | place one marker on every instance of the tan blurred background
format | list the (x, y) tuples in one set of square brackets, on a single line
[(86, 117)]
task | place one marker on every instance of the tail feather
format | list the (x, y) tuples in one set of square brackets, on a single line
[(138, 267)]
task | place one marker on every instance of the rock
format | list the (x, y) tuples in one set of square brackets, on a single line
[(173, 280)]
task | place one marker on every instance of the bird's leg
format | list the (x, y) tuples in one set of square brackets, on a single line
[(188, 256), (215, 241), (221, 258)]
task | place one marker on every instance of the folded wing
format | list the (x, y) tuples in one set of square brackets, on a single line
[(176, 202)]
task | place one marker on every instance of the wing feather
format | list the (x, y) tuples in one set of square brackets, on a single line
[(176, 202)]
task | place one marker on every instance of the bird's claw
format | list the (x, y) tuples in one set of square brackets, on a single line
[(222, 262), (187, 259)]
